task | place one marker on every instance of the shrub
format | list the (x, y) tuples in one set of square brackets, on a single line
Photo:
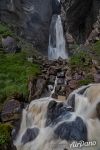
[(96, 50), (87, 80), (80, 60), (5, 31), (5, 132)]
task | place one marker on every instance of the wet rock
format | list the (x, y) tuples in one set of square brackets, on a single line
[(56, 112), (50, 88), (52, 79), (60, 81), (62, 90), (58, 88), (56, 6), (11, 111), (30, 135), (60, 60), (72, 131), (55, 95), (98, 110), (61, 74)]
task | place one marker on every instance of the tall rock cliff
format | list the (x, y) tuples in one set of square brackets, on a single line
[(79, 17), (31, 17)]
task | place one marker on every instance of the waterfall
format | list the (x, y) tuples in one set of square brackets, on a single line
[(48, 124), (56, 46)]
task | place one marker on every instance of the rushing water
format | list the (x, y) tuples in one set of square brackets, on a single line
[(56, 46), (48, 124)]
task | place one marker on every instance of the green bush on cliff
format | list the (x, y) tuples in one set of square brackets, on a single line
[(87, 80), (96, 50), (80, 60), (5, 31), (14, 73), (5, 132)]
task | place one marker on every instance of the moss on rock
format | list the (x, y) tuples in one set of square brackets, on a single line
[(5, 133)]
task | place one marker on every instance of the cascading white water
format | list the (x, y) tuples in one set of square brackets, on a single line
[(55, 84), (56, 46), (38, 132)]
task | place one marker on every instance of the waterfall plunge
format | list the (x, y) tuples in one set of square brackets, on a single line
[(56, 46), (35, 119)]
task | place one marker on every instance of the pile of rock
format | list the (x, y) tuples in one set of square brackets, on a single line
[(56, 74)]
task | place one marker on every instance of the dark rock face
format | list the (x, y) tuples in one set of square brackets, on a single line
[(30, 135), (56, 112), (72, 131), (56, 7), (79, 17), (31, 18), (11, 113), (98, 110)]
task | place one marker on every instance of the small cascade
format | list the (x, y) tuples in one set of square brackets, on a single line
[(53, 91), (56, 46)]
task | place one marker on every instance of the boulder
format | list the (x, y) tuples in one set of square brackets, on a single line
[(11, 111), (40, 87), (10, 45)]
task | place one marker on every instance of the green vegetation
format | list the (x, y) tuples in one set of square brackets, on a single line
[(80, 60), (5, 131), (5, 31), (87, 80), (96, 50), (14, 73)]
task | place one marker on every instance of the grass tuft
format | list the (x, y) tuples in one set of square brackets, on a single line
[(14, 73)]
